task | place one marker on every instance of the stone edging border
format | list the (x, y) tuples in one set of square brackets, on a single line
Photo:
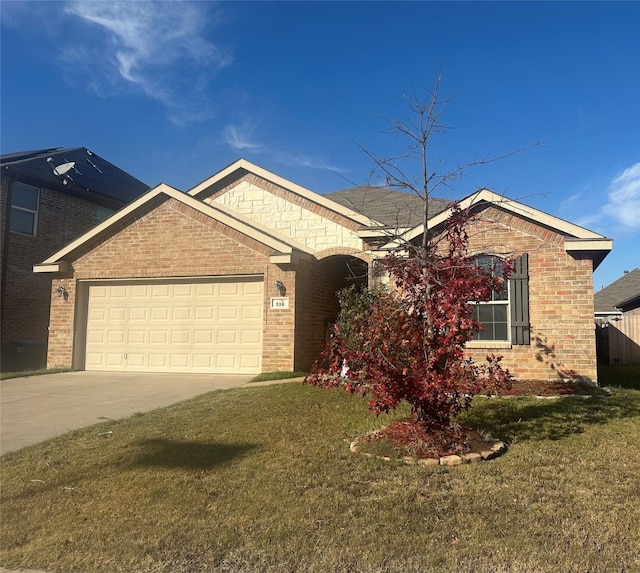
[(497, 449)]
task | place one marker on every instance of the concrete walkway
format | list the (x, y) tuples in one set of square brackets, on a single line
[(37, 408)]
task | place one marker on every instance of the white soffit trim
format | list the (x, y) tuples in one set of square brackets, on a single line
[(602, 244), (485, 195), (61, 267), (266, 236), (282, 182)]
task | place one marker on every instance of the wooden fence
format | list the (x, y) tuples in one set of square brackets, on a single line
[(619, 341)]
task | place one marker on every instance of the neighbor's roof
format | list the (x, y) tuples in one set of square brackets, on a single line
[(396, 209), (91, 175), (624, 290)]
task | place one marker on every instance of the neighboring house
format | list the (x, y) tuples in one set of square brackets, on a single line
[(240, 275), (48, 198), (617, 313)]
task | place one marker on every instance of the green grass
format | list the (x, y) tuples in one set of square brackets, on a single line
[(278, 375), (262, 479), (25, 373)]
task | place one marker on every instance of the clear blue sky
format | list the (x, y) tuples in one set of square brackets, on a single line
[(173, 92)]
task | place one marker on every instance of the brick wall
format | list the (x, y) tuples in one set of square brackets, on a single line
[(172, 240), (26, 295), (560, 299)]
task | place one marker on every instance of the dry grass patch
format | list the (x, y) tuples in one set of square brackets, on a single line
[(261, 479)]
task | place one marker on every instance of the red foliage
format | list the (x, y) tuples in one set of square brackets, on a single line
[(408, 344)]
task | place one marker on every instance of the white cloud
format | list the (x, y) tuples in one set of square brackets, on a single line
[(301, 160), (239, 137), (159, 48), (624, 198)]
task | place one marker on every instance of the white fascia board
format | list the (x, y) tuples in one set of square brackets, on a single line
[(292, 258), (485, 195), (60, 267), (282, 182), (603, 244)]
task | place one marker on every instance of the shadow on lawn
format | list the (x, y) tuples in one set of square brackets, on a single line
[(519, 419), (161, 452)]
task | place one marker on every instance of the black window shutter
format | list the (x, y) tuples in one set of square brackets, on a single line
[(519, 301)]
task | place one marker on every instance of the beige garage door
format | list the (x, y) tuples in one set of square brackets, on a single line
[(176, 326)]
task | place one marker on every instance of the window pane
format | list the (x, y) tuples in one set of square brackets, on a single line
[(22, 221), (500, 331), (502, 294), (500, 313), (485, 313), (24, 196)]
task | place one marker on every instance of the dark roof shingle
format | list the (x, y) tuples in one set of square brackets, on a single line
[(395, 209), (625, 288)]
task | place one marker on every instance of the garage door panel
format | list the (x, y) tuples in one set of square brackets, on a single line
[(249, 362), (181, 313), (176, 326), (202, 336), (227, 312), (251, 336), (114, 359), (226, 337), (180, 336), (116, 336), (226, 361), (160, 291), (159, 313), (158, 337), (179, 360), (204, 313), (138, 313), (251, 312), (137, 336), (157, 360), (229, 290), (202, 361)]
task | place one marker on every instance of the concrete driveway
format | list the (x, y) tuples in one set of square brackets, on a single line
[(37, 408)]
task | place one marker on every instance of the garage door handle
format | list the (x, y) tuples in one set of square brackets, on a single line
[(125, 355)]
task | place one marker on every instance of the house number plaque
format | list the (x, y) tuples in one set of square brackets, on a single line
[(279, 302)]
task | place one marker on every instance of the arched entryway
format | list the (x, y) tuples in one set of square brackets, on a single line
[(317, 304)]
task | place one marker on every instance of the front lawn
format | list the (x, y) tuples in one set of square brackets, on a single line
[(262, 479)]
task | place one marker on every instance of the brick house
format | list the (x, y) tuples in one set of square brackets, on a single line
[(48, 198), (240, 275)]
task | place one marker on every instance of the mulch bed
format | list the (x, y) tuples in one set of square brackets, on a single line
[(406, 438), (545, 388)]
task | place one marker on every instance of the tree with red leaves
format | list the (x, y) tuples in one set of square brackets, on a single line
[(407, 342)]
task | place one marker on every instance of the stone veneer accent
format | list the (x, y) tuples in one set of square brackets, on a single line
[(303, 223)]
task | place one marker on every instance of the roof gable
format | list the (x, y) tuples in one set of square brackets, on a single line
[(85, 174), (204, 188), (577, 239), (284, 249)]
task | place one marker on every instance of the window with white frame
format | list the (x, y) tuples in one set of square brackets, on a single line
[(493, 314), (24, 208)]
